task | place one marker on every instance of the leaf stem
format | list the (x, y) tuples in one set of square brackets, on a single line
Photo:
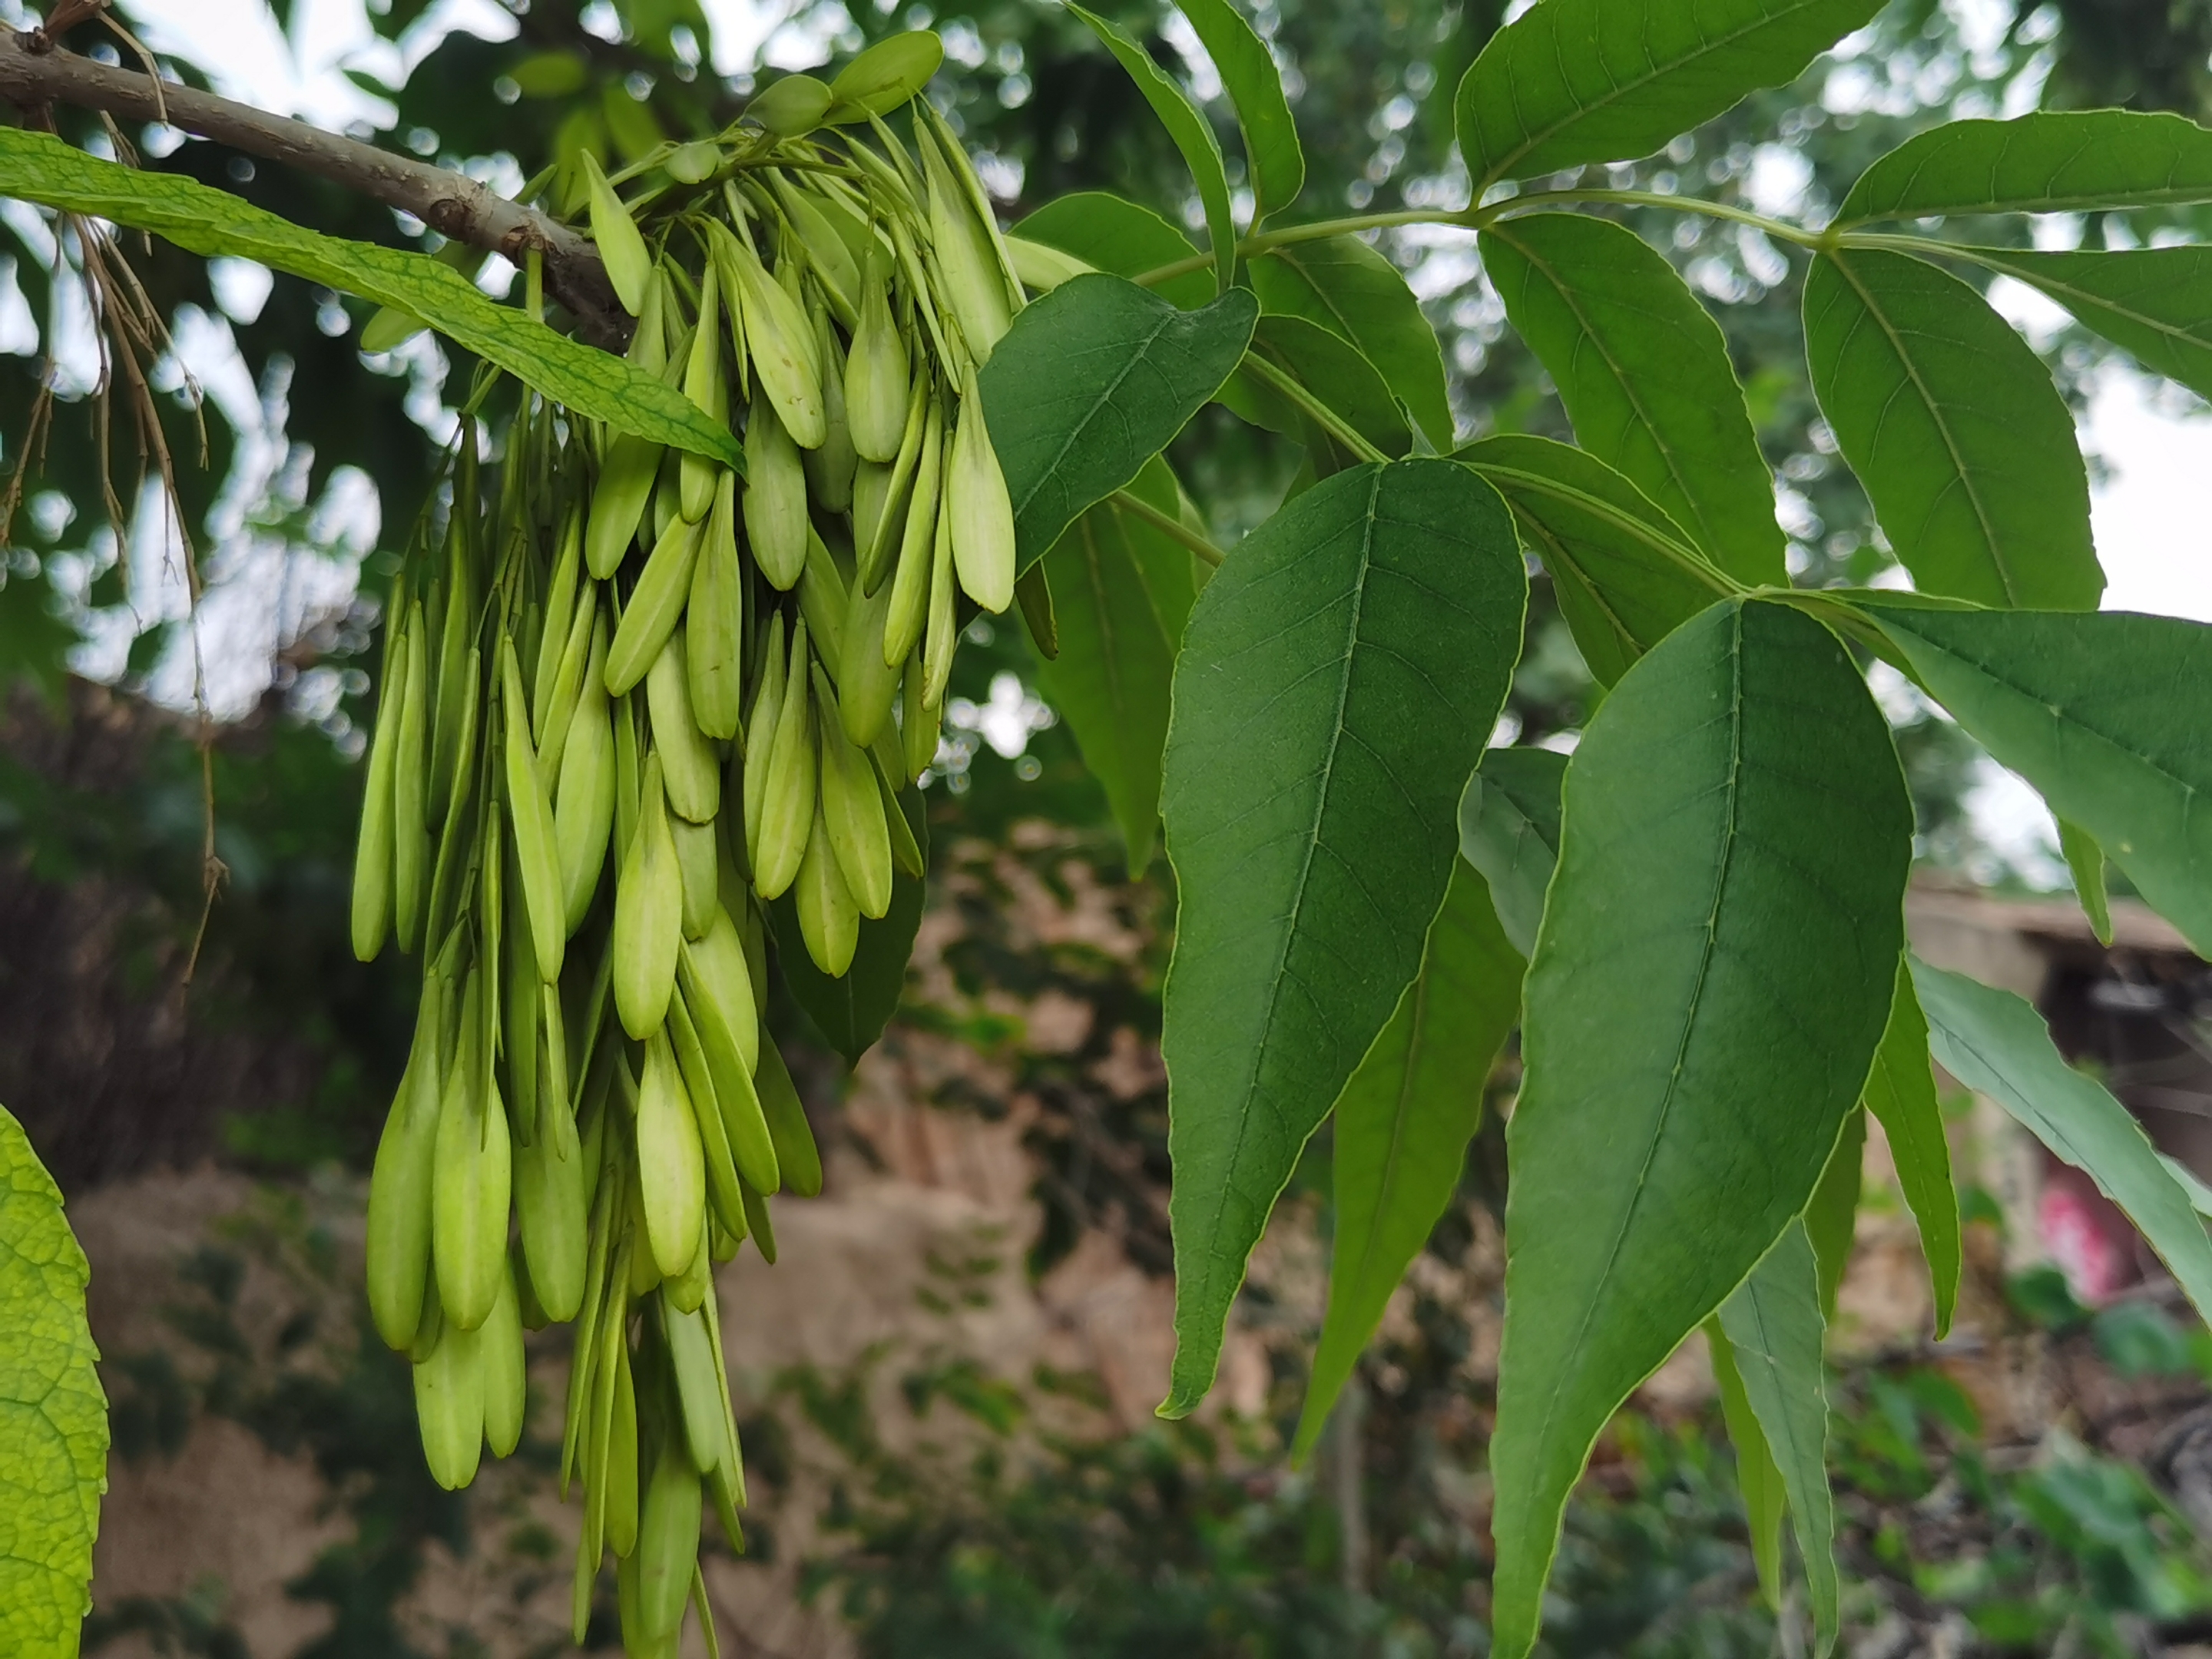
[(1168, 526), (1322, 415)]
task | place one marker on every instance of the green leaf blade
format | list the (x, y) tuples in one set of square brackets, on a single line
[(1733, 856), (1116, 235), (1955, 427), (1090, 383), (1263, 113), (2154, 303), (1765, 1500), (1901, 1092), (1509, 830), (2085, 862), (1338, 677), (53, 1414), (1402, 1126), (1645, 372), (2048, 161), (1353, 291)]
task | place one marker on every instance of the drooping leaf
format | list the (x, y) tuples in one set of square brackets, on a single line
[(1732, 864), (1263, 113), (1571, 82), (1339, 677), (2154, 303), (1832, 1214), (1192, 132), (851, 1011), (1116, 235), (1509, 829), (1997, 1045), (1122, 591), (1402, 1126), (53, 1415), (1901, 1092), (37, 167), (1331, 367), (2103, 713), (1625, 573), (1773, 1323), (1645, 372), (1955, 427), (2085, 862), (1090, 383), (1757, 1478), (1353, 290), (2050, 161)]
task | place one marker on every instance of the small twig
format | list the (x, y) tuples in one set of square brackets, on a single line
[(1167, 525)]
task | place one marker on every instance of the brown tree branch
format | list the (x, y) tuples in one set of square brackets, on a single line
[(34, 73)]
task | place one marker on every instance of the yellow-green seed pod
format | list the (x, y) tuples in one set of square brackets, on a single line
[(457, 837), (788, 799), (499, 1362), (760, 1225), (790, 107), (744, 1126), (829, 256), (649, 914), (774, 495), (828, 916), (872, 494), (449, 1406), (622, 1454), (688, 762), (714, 966), (698, 1387), (455, 686), (879, 540), (561, 612), (629, 776), (713, 620), (584, 805), (823, 603), (870, 685), (533, 1313), (910, 586), (982, 513), (885, 75), (410, 790), (399, 1187), (622, 250), (644, 1273), (786, 359), (668, 489), (967, 264), (626, 477), (1043, 268), (537, 862), (918, 722), (705, 385), (695, 856), (671, 1171), (471, 1185), (373, 850), (656, 605), (888, 763), (566, 693), (830, 469), (686, 1290), (520, 1040), (724, 1201), (760, 735), (667, 1540), (548, 1203), (796, 1154), (852, 810), (940, 638), (876, 374)]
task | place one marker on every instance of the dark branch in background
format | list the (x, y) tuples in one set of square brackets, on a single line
[(34, 73)]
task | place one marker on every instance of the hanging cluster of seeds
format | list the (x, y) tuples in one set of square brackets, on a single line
[(630, 698)]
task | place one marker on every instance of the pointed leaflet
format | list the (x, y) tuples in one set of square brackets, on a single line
[(36, 168), (1121, 590), (1271, 138), (1402, 1126), (1118, 235), (1331, 367), (2085, 862), (1338, 679), (1645, 373), (1625, 573), (1773, 1325), (1997, 1045), (53, 1416), (1830, 1215), (2051, 161), (1509, 829), (1732, 864), (1090, 383), (1956, 430), (2154, 303), (1192, 132), (1352, 291), (1901, 1092), (2105, 713), (851, 1010), (1571, 82), (1756, 1476)]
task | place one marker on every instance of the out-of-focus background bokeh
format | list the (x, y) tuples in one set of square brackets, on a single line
[(946, 1384)]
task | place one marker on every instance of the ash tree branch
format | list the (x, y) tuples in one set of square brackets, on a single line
[(35, 74)]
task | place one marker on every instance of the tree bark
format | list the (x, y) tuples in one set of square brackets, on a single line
[(34, 74)]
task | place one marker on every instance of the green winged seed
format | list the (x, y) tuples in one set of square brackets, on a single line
[(776, 496), (982, 513), (656, 605), (622, 250)]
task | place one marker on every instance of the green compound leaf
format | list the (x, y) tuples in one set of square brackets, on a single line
[(1732, 863), (1901, 1092), (1645, 372), (1625, 573), (1339, 675), (2154, 303), (1192, 132), (1090, 383), (1774, 1329), (53, 1415), (1121, 591), (37, 167), (1572, 81), (851, 1011), (1509, 829), (1263, 113), (1402, 1126), (1997, 1045), (1353, 291), (2103, 713), (1955, 427), (2051, 161), (1114, 233)]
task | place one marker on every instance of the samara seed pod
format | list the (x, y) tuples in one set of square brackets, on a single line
[(906, 850), (704, 385), (982, 513), (550, 734), (760, 1226), (373, 850), (410, 826), (829, 915), (649, 914), (449, 1406), (967, 264), (584, 805), (829, 258), (1041, 268), (743, 1125), (534, 1318), (760, 735), (713, 620), (645, 1274), (787, 361), (696, 856), (537, 862), (698, 1389), (919, 723), (796, 1154), (870, 685), (456, 683), (724, 1201), (621, 1479), (829, 468), (501, 1364), (713, 965), (622, 249), (788, 799), (871, 492), (941, 637), (519, 1037), (671, 1172), (548, 1203), (823, 603), (656, 605), (877, 373), (775, 499), (878, 543), (628, 474), (688, 1290), (668, 1539), (561, 611), (399, 1186), (908, 616), (668, 487), (471, 1185), (852, 808), (688, 762), (885, 75), (629, 774), (457, 835)]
